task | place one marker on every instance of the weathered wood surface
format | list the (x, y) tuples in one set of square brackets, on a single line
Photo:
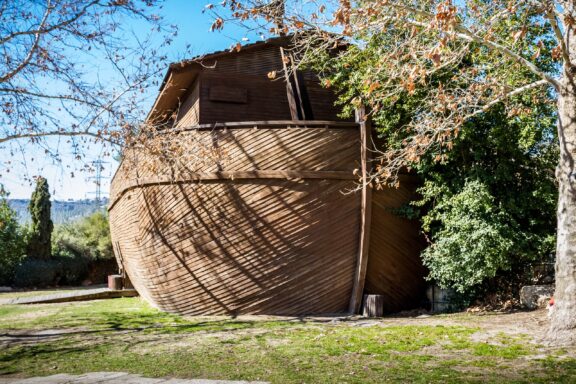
[(265, 228), (115, 282), (245, 245), (189, 111), (373, 306), (365, 210), (234, 86), (263, 148), (395, 269)]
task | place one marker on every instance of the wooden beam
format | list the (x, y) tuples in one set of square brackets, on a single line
[(282, 124), (292, 102), (366, 213), (193, 177)]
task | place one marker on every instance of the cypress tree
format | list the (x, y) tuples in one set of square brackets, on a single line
[(39, 243)]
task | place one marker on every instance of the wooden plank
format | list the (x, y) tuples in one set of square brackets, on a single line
[(291, 75), (280, 124), (395, 268), (238, 175), (228, 94), (366, 212), (373, 306), (290, 91), (264, 99), (305, 104)]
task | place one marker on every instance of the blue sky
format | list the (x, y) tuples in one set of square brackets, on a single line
[(194, 29)]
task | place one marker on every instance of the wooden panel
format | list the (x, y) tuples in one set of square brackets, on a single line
[(231, 248), (189, 112), (228, 94), (394, 266), (256, 62), (236, 150), (244, 245), (266, 99), (323, 102), (239, 234)]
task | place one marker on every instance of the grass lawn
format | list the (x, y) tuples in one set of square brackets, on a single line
[(128, 335)]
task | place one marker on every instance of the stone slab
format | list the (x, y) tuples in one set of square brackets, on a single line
[(88, 294), (114, 378), (536, 296)]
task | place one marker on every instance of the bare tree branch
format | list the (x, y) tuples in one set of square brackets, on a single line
[(36, 135), (33, 48)]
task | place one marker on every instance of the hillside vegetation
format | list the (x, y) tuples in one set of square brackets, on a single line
[(62, 211)]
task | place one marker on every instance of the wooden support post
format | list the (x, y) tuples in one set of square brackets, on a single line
[(292, 102), (366, 213)]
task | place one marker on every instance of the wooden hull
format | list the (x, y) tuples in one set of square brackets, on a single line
[(263, 229)]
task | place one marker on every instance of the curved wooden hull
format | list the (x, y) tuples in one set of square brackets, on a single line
[(266, 228), (244, 238)]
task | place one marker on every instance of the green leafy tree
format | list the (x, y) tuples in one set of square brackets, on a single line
[(88, 238), (491, 202), (39, 241), (11, 242)]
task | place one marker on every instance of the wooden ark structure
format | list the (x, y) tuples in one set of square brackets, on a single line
[(250, 215)]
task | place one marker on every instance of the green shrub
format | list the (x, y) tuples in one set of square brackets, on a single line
[(11, 243), (52, 272), (36, 273), (88, 238), (73, 270), (474, 241), (490, 208)]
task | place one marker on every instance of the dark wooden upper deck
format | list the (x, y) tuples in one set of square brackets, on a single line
[(256, 83)]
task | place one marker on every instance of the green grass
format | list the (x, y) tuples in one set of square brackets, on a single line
[(128, 335)]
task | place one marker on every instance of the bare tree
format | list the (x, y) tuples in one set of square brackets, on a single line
[(428, 36), (73, 69)]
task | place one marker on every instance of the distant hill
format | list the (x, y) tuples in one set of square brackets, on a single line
[(62, 211)]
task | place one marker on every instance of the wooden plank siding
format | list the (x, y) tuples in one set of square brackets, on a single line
[(395, 269), (189, 111), (266, 99), (246, 73), (248, 245), (282, 238)]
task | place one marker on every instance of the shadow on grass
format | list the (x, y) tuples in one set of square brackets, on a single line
[(157, 323), (10, 358)]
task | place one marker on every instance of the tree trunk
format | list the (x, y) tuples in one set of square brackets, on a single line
[(563, 326)]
